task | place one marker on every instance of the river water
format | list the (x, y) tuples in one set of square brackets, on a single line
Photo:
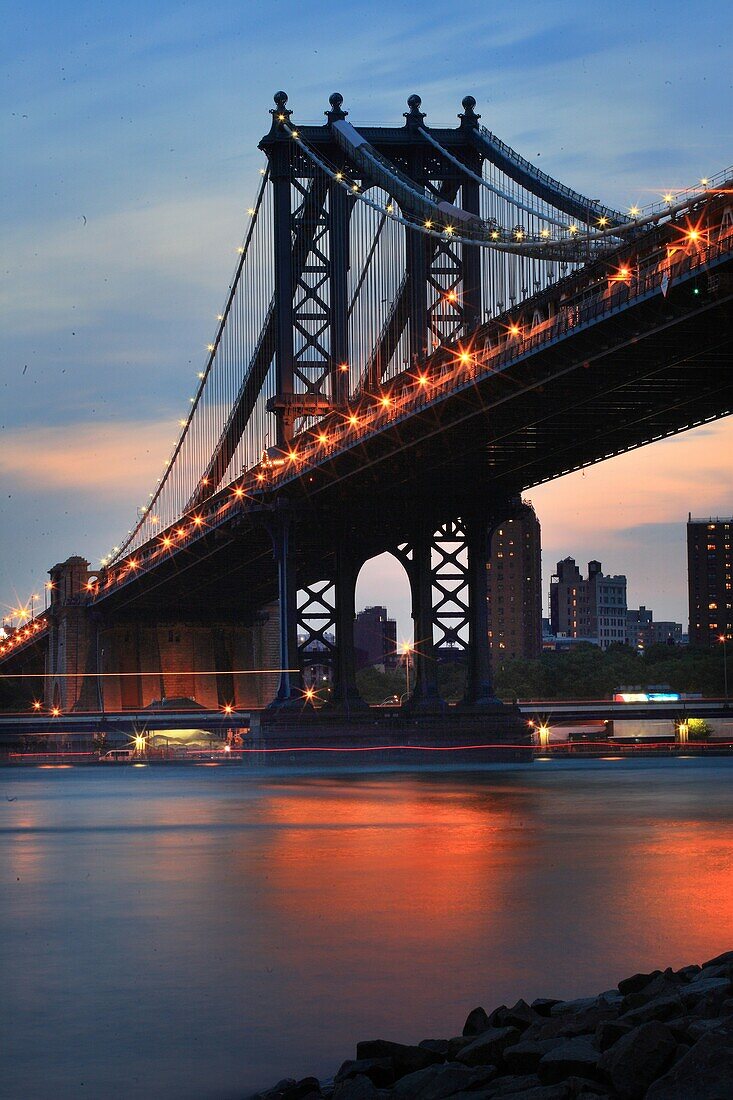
[(199, 932)]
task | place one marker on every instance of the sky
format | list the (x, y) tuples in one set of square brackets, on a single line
[(131, 157)]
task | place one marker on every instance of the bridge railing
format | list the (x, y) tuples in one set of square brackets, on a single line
[(447, 370), (23, 636)]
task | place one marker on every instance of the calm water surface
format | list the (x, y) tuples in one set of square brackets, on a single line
[(202, 932)]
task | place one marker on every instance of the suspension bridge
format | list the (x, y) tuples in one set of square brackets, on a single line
[(421, 326)]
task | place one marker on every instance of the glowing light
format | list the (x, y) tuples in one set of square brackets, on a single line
[(210, 347), (260, 477), (353, 420), (385, 402), (251, 211), (495, 234), (197, 521), (322, 438), (240, 250), (464, 357), (519, 234), (449, 230), (180, 532), (49, 585), (514, 330), (704, 181), (192, 399), (422, 379), (292, 455), (228, 708), (634, 211), (310, 694), (339, 176), (227, 748), (603, 221), (355, 187), (281, 118), (55, 711), (669, 197), (132, 563), (543, 233), (167, 542), (428, 224), (343, 366), (452, 296), (390, 208), (220, 316), (36, 705), (182, 423), (572, 229), (201, 373), (294, 133), (693, 235), (239, 491), (139, 742), (543, 735), (89, 586)]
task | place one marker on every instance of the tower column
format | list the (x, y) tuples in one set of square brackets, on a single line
[(280, 528), (479, 680), (280, 170), (425, 692), (345, 693)]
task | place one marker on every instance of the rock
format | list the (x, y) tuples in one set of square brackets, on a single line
[(576, 1056), (521, 1015), (726, 957), (524, 1056), (571, 1024), (697, 1028), (609, 1032), (476, 1022), (439, 1046), (276, 1091), (563, 1007), (543, 1005), (456, 1045), (488, 1048), (380, 1071), (638, 1059), (356, 1088), (299, 1090), (436, 1082), (539, 1092), (405, 1059), (508, 1086), (496, 1018), (688, 972), (661, 986), (662, 1008), (713, 990), (636, 982), (705, 1072)]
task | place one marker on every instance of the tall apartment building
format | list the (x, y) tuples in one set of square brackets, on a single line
[(710, 579), (592, 607), (514, 587), (375, 638)]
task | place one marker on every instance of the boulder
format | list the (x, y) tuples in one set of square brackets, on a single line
[(300, 1090), (576, 1056), (705, 1072), (638, 1059), (609, 1032), (711, 990), (571, 1024), (726, 957), (525, 1056), (476, 1022), (488, 1048), (276, 1091), (456, 1045), (356, 1088), (661, 986), (636, 982), (687, 972), (405, 1058), (509, 1085), (439, 1046), (544, 1005), (436, 1082), (662, 1008), (520, 1015), (380, 1071)]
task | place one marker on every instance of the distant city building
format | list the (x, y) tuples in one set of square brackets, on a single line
[(710, 579), (375, 639), (642, 631), (514, 587), (592, 608)]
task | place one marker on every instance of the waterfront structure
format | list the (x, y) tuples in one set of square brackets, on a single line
[(514, 588), (643, 631), (421, 326), (592, 607), (710, 579), (375, 639)]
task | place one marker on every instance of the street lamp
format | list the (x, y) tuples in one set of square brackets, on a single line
[(407, 648), (723, 639)]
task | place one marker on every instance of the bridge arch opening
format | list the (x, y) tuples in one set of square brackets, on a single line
[(383, 631)]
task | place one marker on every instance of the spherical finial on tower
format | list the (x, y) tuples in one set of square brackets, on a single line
[(469, 118), (414, 116), (281, 98), (280, 112), (335, 114)]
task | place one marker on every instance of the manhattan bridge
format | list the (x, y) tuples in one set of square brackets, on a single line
[(421, 326)]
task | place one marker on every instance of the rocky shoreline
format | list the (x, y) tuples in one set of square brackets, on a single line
[(666, 1035)]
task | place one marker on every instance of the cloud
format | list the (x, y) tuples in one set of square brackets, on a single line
[(119, 460)]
